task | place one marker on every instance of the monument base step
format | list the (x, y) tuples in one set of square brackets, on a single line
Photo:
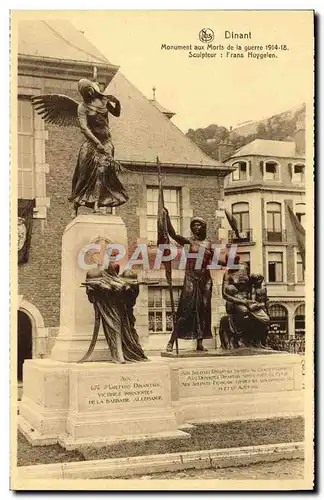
[(35, 438), (95, 402), (241, 351), (101, 403), (69, 443)]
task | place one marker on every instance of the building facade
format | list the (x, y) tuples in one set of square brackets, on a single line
[(268, 176), (52, 57)]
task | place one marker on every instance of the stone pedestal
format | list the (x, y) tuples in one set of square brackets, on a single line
[(101, 403), (76, 313), (89, 403)]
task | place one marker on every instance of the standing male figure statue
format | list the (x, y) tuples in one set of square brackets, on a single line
[(193, 317)]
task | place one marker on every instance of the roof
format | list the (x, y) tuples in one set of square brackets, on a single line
[(265, 147), (142, 132), (162, 109), (57, 39)]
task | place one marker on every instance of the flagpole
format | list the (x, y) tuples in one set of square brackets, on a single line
[(168, 272)]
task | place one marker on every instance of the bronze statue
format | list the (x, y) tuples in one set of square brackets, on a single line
[(95, 183), (260, 296), (246, 306), (193, 317), (114, 298)]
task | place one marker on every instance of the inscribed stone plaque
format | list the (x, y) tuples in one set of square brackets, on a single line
[(209, 381), (115, 391)]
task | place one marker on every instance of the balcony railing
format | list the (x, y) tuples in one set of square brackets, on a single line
[(295, 346), (245, 236), (275, 236)]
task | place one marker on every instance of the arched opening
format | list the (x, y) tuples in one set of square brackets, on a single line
[(299, 173), (24, 341), (241, 172), (278, 321), (299, 321), (271, 170)]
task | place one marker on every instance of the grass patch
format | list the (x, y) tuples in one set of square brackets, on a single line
[(203, 437), (208, 436), (35, 455)]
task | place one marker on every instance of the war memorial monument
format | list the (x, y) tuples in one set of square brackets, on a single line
[(99, 387)]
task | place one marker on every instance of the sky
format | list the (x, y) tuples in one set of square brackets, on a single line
[(224, 91)]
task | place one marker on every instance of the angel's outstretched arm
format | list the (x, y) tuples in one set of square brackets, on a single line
[(114, 110), (82, 117)]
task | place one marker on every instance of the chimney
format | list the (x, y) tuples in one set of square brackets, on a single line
[(225, 150), (299, 138)]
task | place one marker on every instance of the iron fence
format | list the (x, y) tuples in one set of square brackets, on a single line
[(294, 346), (275, 236), (246, 236)]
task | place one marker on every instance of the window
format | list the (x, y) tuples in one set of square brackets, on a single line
[(275, 267), (300, 321), (300, 269), (159, 308), (300, 213), (240, 174), (245, 259), (26, 181), (274, 230), (278, 320), (299, 173), (241, 213), (271, 171), (172, 203)]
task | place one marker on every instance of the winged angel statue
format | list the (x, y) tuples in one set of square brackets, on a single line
[(95, 183)]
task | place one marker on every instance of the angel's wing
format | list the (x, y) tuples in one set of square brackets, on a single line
[(57, 108)]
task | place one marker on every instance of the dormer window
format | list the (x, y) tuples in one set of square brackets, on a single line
[(271, 171), (299, 173), (241, 172)]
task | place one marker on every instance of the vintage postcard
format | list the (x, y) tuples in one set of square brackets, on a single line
[(162, 325)]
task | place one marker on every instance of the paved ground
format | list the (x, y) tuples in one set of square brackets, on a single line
[(284, 469)]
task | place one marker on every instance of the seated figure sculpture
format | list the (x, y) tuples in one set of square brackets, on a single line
[(246, 306)]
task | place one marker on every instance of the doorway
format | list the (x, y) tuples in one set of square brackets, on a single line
[(25, 342)]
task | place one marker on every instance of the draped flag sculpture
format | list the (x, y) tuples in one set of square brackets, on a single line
[(299, 233)]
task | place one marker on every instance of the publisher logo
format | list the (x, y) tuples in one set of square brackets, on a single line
[(206, 35)]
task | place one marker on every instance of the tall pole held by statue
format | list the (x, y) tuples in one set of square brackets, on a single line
[(163, 239)]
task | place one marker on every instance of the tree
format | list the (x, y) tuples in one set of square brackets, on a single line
[(278, 127)]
